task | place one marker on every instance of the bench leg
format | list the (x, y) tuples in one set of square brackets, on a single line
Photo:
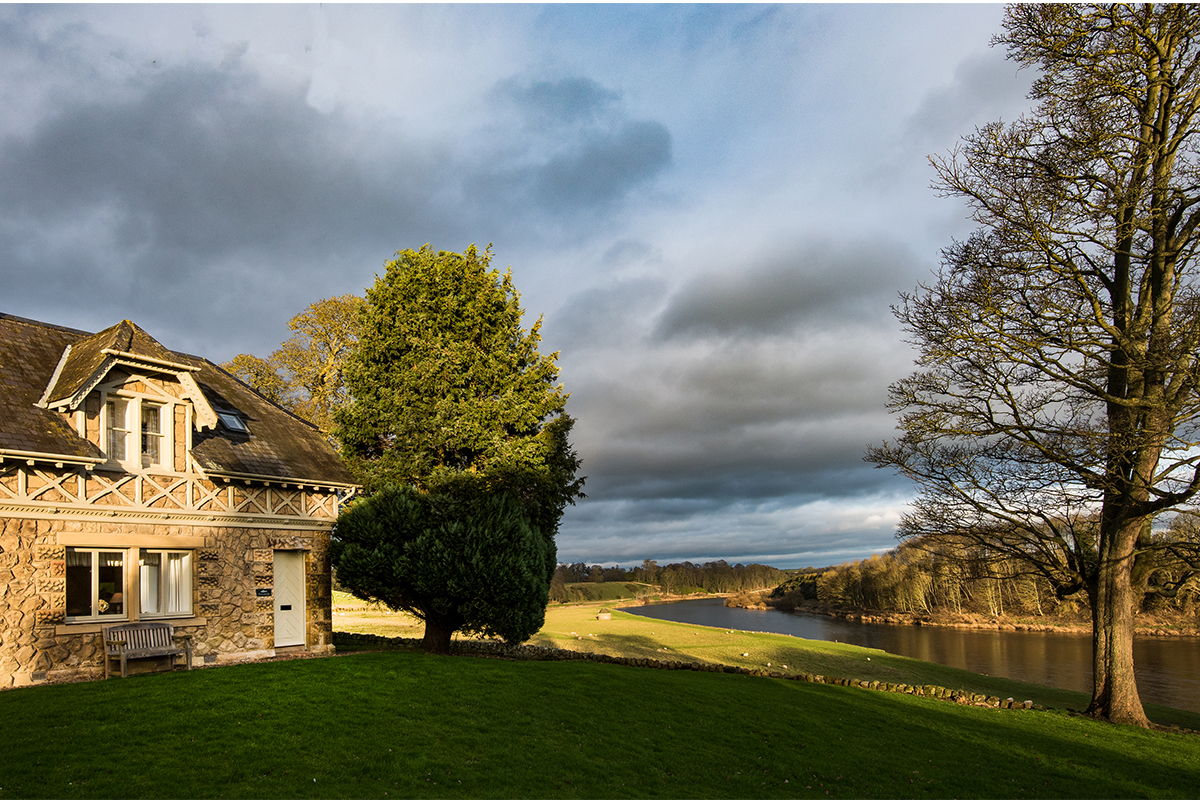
[(122, 665)]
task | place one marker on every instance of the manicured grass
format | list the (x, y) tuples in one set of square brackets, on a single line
[(575, 627), (601, 591), (355, 614), (631, 635), (390, 724)]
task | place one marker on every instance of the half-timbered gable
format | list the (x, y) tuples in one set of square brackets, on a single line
[(138, 483)]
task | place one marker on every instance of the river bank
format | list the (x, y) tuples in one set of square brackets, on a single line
[(1148, 626)]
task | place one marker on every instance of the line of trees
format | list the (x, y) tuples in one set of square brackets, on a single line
[(946, 575), (673, 579)]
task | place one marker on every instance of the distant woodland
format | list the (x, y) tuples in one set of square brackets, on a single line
[(926, 577), (683, 578)]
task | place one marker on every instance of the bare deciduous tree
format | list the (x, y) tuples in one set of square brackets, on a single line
[(1054, 412)]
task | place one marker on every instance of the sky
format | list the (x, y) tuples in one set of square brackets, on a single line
[(711, 207)]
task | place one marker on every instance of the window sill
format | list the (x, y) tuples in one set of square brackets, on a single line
[(134, 468), (90, 627)]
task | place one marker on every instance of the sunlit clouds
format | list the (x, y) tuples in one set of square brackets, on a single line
[(712, 208)]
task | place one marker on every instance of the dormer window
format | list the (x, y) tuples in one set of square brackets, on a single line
[(152, 436), (233, 421), (136, 432), (118, 428)]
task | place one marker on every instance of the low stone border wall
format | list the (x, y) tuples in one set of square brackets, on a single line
[(493, 648)]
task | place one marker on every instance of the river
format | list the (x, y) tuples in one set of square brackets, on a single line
[(1168, 668)]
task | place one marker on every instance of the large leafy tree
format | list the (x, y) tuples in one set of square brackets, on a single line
[(450, 396), (305, 374), (261, 375), (458, 560), (1054, 413), (312, 359)]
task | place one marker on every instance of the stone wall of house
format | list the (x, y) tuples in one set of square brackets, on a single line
[(231, 622)]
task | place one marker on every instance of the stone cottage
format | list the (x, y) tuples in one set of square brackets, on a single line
[(137, 483)]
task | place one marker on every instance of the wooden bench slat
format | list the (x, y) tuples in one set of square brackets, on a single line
[(143, 640)]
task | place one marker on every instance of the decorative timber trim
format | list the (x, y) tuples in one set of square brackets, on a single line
[(72, 401), (205, 414), (299, 483), (139, 359), (57, 459), (58, 368), (81, 493)]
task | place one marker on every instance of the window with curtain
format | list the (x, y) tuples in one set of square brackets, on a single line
[(95, 585), (166, 582), (117, 412), (151, 434), (137, 431)]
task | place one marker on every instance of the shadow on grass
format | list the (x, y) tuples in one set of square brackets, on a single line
[(407, 724), (1039, 753)]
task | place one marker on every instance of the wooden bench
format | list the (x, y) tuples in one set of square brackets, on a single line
[(143, 640)]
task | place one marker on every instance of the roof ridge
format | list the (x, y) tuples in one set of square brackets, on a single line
[(43, 324)]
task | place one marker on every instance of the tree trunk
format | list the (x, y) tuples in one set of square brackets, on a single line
[(438, 631), (1114, 685)]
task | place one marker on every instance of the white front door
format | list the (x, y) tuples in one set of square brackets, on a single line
[(289, 598)]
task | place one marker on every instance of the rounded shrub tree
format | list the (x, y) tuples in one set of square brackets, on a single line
[(460, 559)]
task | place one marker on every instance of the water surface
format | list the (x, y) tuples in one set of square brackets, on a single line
[(1168, 668)]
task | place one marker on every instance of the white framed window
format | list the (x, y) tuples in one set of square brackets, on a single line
[(116, 414), (166, 583), (137, 432), (95, 584), (152, 434)]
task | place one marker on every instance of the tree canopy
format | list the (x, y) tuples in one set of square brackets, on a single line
[(459, 561), (451, 399), (446, 381), (1053, 416), (304, 375)]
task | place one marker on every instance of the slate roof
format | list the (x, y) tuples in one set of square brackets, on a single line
[(88, 355), (279, 445), (29, 352)]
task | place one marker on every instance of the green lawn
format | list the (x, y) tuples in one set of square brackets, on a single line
[(576, 628), (389, 724)]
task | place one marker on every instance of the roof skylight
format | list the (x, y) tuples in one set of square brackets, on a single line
[(233, 422)]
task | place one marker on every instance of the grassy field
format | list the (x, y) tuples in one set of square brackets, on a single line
[(402, 724), (602, 591), (576, 628)]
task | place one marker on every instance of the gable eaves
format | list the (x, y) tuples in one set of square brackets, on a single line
[(43, 401), (138, 359), (206, 415)]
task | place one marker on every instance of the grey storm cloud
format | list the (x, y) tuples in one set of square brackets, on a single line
[(689, 193), (570, 149), (755, 384), (610, 314), (786, 528), (605, 166), (816, 282), (980, 84), (201, 179), (205, 176), (567, 101), (202, 163)]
